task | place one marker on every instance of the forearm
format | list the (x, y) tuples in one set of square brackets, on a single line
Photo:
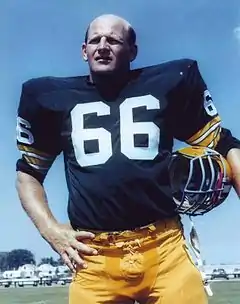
[(233, 158), (34, 201)]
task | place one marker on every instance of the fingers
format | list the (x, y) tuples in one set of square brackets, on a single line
[(74, 255), (83, 248), (67, 243), (67, 261), (84, 235)]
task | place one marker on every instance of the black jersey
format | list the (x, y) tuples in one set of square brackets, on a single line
[(116, 152)]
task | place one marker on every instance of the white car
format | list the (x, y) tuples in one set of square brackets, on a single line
[(236, 272)]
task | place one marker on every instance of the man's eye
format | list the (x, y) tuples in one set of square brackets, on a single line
[(94, 41), (113, 41)]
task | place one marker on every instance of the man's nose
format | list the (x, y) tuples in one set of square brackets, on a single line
[(103, 45)]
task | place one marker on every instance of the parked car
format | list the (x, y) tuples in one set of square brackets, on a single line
[(26, 282), (5, 282), (236, 272), (219, 273), (65, 280), (46, 280)]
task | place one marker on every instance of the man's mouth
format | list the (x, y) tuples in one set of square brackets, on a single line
[(103, 60)]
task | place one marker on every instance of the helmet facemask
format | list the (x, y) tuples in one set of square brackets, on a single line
[(199, 182)]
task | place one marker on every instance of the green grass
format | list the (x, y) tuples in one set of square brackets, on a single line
[(34, 295), (224, 293)]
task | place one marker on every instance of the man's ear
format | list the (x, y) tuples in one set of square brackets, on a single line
[(134, 52), (84, 52)]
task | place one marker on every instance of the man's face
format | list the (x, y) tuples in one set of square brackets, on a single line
[(107, 49)]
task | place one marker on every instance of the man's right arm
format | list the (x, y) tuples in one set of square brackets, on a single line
[(34, 201), (62, 238), (38, 140)]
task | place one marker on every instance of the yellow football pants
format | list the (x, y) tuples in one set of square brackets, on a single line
[(150, 265)]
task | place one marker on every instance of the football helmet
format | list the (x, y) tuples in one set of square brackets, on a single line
[(200, 179)]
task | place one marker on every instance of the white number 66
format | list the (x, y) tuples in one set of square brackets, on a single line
[(127, 130)]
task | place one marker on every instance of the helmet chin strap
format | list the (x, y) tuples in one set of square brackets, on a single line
[(195, 246)]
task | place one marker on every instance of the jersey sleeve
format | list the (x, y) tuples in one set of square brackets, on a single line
[(193, 116), (37, 134), (227, 142)]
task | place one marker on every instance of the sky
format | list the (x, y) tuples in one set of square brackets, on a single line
[(43, 38)]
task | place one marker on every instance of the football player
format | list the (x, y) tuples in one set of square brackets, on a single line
[(115, 128)]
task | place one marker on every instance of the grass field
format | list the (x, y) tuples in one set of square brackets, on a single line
[(224, 293)]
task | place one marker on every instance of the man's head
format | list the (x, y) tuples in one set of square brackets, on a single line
[(109, 45)]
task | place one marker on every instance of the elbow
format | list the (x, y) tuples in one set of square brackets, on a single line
[(229, 147), (233, 158), (25, 182), (21, 186), (24, 178), (19, 181), (227, 143)]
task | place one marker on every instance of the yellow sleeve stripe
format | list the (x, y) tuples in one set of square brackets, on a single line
[(207, 134), (215, 140), (42, 169), (36, 161), (34, 152)]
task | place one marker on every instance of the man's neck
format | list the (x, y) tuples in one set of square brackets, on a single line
[(109, 86)]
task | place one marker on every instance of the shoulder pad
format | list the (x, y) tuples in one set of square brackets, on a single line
[(178, 65), (47, 84)]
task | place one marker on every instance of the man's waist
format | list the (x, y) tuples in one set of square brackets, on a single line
[(160, 226)]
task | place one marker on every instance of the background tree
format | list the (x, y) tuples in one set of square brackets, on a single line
[(3, 261), (48, 260), (60, 262), (19, 257)]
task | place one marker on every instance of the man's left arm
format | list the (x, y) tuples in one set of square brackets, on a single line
[(233, 158), (195, 120), (229, 147)]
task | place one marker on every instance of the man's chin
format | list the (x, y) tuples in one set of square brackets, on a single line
[(104, 70)]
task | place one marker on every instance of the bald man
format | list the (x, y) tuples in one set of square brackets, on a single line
[(115, 128)]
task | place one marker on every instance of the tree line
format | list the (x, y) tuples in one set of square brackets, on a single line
[(18, 257)]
